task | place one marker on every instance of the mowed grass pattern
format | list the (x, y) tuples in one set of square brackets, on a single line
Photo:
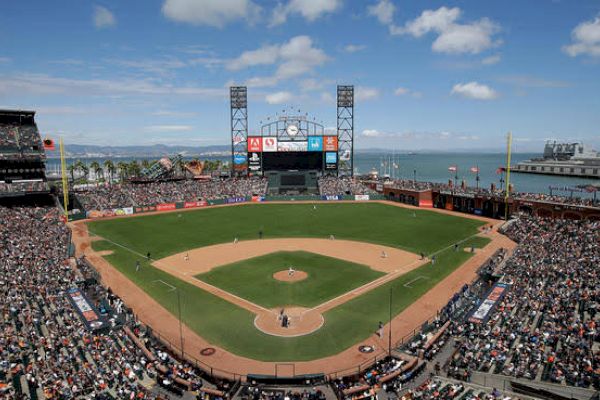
[(226, 325), (252, 279), (171, 233)]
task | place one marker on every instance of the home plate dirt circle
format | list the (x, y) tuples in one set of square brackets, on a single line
[(285, 276), (302, 321)]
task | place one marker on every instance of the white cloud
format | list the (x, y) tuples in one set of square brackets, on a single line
[(103, 18), (354, 48), (296, 57), (402, 91), (533, 82), (310, 10), (362, 93), (168, 128), (452, 36), (371, 133), (216, 13), (262, 56), (5, 60), (474, 90), (170, 113), (312, 84), (491, 60), (328, 98), (586, 39), (278, 97), (39, 84), (383, 11)]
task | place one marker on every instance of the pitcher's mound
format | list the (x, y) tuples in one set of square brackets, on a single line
[(285, 276)]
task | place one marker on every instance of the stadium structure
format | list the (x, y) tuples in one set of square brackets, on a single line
[(292, 278)]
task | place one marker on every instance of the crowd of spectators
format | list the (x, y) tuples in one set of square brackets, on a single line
[(254, 392), (23, 187), (130, 194), (19, 138), (333, 186), (546, 327), (572, 200), (45, 349), (439, 388)]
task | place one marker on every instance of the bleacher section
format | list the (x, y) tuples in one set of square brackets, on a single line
[(22, 157)]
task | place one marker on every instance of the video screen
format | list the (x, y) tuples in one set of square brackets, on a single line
[(301, 161)]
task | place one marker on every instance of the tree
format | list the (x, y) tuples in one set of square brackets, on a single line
[(122, 168), (83, 168), (95, 166), (134, 168), (109, 166), (145, 163), (71, 168)]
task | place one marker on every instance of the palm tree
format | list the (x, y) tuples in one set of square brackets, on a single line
[(134, 168), (83, 168), (95, 166), (109, 166), (71, 168), (122, 168), (145, 163)]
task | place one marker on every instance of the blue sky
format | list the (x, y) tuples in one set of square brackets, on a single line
[(428, 74)]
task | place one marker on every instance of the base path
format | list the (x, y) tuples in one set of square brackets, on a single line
[(186, 265), (230, 366)]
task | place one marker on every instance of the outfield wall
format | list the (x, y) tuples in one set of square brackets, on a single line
[(95, 214)]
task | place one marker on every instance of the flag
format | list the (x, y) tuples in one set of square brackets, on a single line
[(49, 144), (452, 168), (500, 170), (475, 170)]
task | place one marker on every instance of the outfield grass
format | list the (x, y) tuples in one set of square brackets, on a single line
[(231, 327), (171, 233), (252, 279)]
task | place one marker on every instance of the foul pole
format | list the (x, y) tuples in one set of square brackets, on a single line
[(508, 154), (65, 182)]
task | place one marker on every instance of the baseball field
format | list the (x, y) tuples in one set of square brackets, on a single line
[(346, 259)]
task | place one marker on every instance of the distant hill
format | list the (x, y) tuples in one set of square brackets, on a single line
[(154, 151)]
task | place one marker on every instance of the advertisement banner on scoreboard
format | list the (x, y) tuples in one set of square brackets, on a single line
[(330, 143), (330, 160), (269, 144), (315, 143), (292, 146), (255, 144), (86, 311), (239, 159), (482, 313), (254, 162)]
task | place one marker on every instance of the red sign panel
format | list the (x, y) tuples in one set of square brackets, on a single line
[(254, 144), (166, 207), (330, 143), (194, 204)]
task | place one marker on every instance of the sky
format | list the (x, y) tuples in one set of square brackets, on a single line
[(438, 75)]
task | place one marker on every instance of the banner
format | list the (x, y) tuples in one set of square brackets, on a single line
[(426, 203), (143, 209), (86, 311), (331, 198), (292, 146), (123, 211), (195, 204), (361, 197), (315, 143), (269, 144), (330, 143), (482, 313), (239, 159), (257, 199), (254, 163), (254, 144), (233, 200), (166, 207)]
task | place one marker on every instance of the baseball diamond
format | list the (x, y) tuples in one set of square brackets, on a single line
[(226, 287)]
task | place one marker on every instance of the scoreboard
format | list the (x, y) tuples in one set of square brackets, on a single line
[(289, 153)]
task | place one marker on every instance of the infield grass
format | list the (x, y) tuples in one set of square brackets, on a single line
[(252, 279)]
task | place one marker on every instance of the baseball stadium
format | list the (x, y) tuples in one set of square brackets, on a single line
[(299, 200)]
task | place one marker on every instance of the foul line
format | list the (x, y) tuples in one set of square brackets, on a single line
[(165, 283), (407, 284)]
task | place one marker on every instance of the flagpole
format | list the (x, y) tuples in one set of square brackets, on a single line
[(65, 183)]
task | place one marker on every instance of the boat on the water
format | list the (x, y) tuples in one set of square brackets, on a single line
[(563, 159)]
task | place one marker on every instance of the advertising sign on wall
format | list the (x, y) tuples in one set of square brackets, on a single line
[(315, 143), (269, 144), (194, 204), (482, 313), (239, 159), (292, 146), (255, 144), (254, 162), (330, 143)]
